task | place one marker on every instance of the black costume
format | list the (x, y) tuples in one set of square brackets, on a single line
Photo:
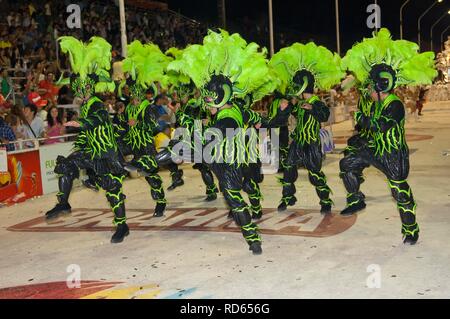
[(380, 65), (138, 141), (305, 151), (96, 151)]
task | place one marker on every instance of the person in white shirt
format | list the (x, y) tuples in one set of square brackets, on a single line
[(35, 127)]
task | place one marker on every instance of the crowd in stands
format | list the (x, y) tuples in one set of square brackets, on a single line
[(29, 29), (29, 67)]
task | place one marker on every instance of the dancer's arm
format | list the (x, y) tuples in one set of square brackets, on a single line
[(317, 108), (97, 116), (281, 109)]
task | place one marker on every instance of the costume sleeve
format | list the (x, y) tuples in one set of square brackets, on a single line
[(121, 124), (97, 116), (320, 110), (279, 118), (150, 120)]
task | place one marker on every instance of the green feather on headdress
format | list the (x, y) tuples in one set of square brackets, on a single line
[(229, 56), (174, 52), (146, 64), (85, 59), (400, 56), (272, 83), (89, 58), (175, 78), (316, 61)]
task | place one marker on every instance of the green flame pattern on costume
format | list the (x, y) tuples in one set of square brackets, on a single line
[(97, 136), (142, 133)]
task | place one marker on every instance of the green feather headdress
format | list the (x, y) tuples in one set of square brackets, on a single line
[(401, 58), (176, 79), (228, 58), (272, 83), (306, 59), (87, 59), (146, 64)]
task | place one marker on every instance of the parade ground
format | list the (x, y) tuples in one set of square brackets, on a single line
[(194, 251)]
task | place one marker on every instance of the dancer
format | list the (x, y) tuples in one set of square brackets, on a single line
[(223, 67), (283, 128), (302, 68), (145, 65), (96, 147), (380, 64), (190, 115)]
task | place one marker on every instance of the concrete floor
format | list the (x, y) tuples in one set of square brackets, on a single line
[(194, 252)]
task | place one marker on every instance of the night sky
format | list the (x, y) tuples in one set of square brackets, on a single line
[(315, 20)]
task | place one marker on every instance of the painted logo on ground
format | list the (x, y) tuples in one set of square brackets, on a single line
[(294, 222), (95, 289)]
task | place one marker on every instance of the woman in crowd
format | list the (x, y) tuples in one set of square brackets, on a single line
[(55, 126)]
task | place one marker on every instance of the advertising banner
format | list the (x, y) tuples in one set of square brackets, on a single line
[(48, 155), (23, 179)]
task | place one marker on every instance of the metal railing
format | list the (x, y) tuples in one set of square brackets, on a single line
[(32, 144)]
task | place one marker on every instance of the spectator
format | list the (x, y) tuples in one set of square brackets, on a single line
[(422, 99), (54, 125), (47, 89), (35, 99), (163, 138), (64, 95), (5, 82), (6, 135), (15, 123), (158, 106), (34, 125)]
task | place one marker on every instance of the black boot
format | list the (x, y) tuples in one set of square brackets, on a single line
[(159, 209), (350, 210), (211, 197), (58, 210), (122, 230), (410, 233), (325, 209), (284, 204), (230, 214), (175, 184), (411, 239), (256, 248)]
